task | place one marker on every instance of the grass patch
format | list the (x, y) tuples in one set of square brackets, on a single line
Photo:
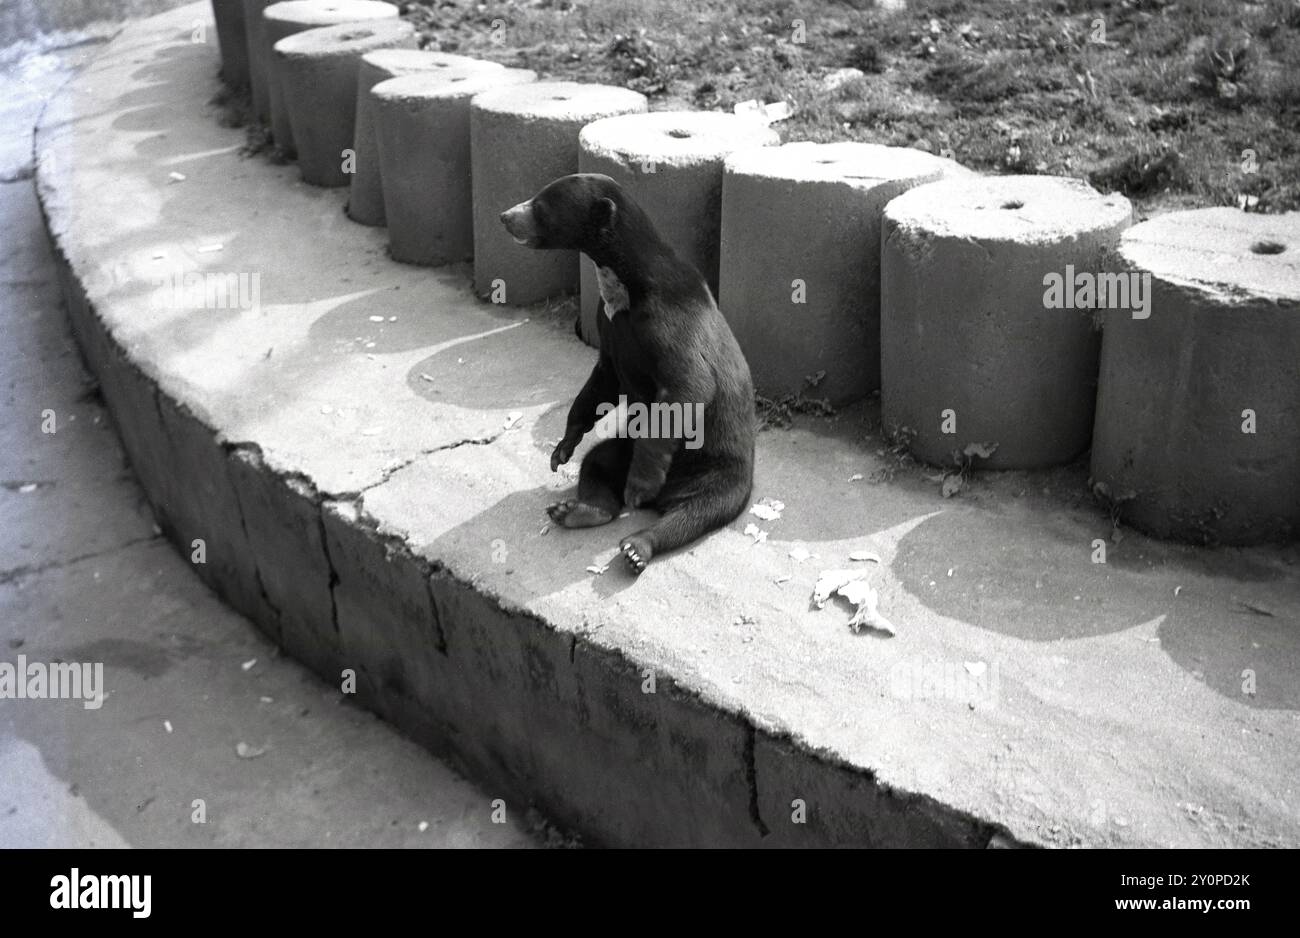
[(1176, 103)]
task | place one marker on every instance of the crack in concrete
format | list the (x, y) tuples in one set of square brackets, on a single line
[(387, 474), (14, 574), (257, 570), (329, 562), (440, 637)]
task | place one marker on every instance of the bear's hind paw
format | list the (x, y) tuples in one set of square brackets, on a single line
[(636, 552)]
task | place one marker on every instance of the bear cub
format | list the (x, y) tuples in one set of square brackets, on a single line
[(662, 342)]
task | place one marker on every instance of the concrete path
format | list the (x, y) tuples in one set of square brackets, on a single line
[(85, 576)]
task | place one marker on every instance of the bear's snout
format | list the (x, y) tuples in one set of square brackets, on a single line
[(519, 222)]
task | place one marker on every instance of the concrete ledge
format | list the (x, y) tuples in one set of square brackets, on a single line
[(364, 450)]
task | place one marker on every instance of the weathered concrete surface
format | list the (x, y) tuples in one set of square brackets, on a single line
[(84, 577), (1198, 410), (971, 351), (1109, 708)]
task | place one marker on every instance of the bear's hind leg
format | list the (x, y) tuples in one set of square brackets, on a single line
[(600, 487), (716, 500)]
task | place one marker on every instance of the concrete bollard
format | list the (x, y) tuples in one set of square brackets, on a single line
[(257, 52), (233, 41), (318, 77), (281, 20), (971, 351), (366, 195), (671, 163), (422, 125), (799, 270), (521, 138), (1197, 434)]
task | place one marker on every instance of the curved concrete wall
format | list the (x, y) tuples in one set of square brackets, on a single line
[(356, 545), (538, 713)]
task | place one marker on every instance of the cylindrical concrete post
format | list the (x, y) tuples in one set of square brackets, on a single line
[(281, 20), (799, 270), (258, 52), (973, 348), (1197, 434), (318, 78), (422, 125), (522, 138), (232, 40), (671, 164), (366, 193)]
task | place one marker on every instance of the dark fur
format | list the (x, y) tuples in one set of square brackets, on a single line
[(671, 345)]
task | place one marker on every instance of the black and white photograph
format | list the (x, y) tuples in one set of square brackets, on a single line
[(650, 424)]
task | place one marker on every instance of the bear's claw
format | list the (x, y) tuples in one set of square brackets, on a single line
[(636, 557)]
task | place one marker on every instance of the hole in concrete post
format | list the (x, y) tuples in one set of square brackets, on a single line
[(826, 162), (679, 134), (1267, 247), (1014, 203), (560, 97)]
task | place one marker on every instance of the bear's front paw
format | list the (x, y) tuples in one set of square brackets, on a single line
[(572, 513), (636, 551), (561, 454)]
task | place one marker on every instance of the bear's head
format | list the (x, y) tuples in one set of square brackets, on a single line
[(577, 212)]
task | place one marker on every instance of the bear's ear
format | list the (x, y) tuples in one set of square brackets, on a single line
[(603, 214)]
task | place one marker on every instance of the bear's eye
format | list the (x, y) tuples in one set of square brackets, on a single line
[(539, 213)]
